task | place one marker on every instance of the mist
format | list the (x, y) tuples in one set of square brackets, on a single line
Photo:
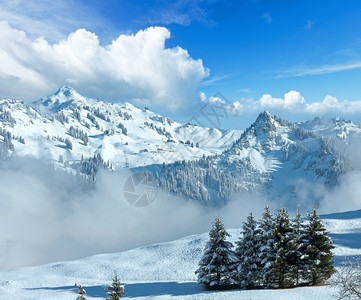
[(47, 215), (346, 195)]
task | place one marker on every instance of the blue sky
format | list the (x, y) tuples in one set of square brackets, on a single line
[(247, 49)]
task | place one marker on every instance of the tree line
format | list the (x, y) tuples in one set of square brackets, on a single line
[(273, 252)]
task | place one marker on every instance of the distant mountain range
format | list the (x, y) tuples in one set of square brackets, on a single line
[(273, 156), (125, 135)]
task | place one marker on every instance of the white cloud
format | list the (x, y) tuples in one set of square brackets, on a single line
[(293, 102), (202, 96), (331, 104), (135, 66)]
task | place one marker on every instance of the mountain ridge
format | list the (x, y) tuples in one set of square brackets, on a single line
[(273, 157)]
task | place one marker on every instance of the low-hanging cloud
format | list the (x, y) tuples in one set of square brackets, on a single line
[(136, 66), (48, 215), (346, 195)]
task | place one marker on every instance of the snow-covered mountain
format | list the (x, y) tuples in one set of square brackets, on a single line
[(66, 126), (334, 127), (273, 156), (162, 271)]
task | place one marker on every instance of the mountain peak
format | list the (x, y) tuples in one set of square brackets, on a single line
[(67, 91), (266, 115), (62, 98), (264, 120)]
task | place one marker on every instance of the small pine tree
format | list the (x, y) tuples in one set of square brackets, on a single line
[(81, 293), (116, 290), (267, 251), (68, 144), (319, 250), (247, 252), (217, 267), (285, 247)]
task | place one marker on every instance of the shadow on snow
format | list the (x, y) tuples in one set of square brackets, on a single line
[(140, 289)]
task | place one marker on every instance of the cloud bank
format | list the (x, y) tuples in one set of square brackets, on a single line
[(293, 102), (136, 66), (48, 215)]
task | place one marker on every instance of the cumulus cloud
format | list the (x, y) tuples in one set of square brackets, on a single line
[(136, 66), (292, 102)]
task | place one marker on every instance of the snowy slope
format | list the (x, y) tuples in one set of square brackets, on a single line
[(125, 135), (159, 271)]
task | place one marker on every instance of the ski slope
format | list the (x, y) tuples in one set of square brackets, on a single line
[(162, 271)]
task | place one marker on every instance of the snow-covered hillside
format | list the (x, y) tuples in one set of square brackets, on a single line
[(161, 271), (125, 135)]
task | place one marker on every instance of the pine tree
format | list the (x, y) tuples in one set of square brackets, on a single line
[(267, 252), (81, 293), (218, 265), (319, 250), (68, 144), (281, 274), (247, 252), (116, 290), (301, 262)]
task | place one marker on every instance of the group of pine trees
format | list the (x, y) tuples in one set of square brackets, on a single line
[(79, 134), (115, 291), (274, 252)]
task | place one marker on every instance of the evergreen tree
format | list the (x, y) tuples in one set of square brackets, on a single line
[(247, 252), (281, 274), (267, 252), (301, 262), (68, 144), (217, 267), (116, 290), (81, 293), (319, 250)]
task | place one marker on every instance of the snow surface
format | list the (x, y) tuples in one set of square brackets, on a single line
[(159, 271)]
